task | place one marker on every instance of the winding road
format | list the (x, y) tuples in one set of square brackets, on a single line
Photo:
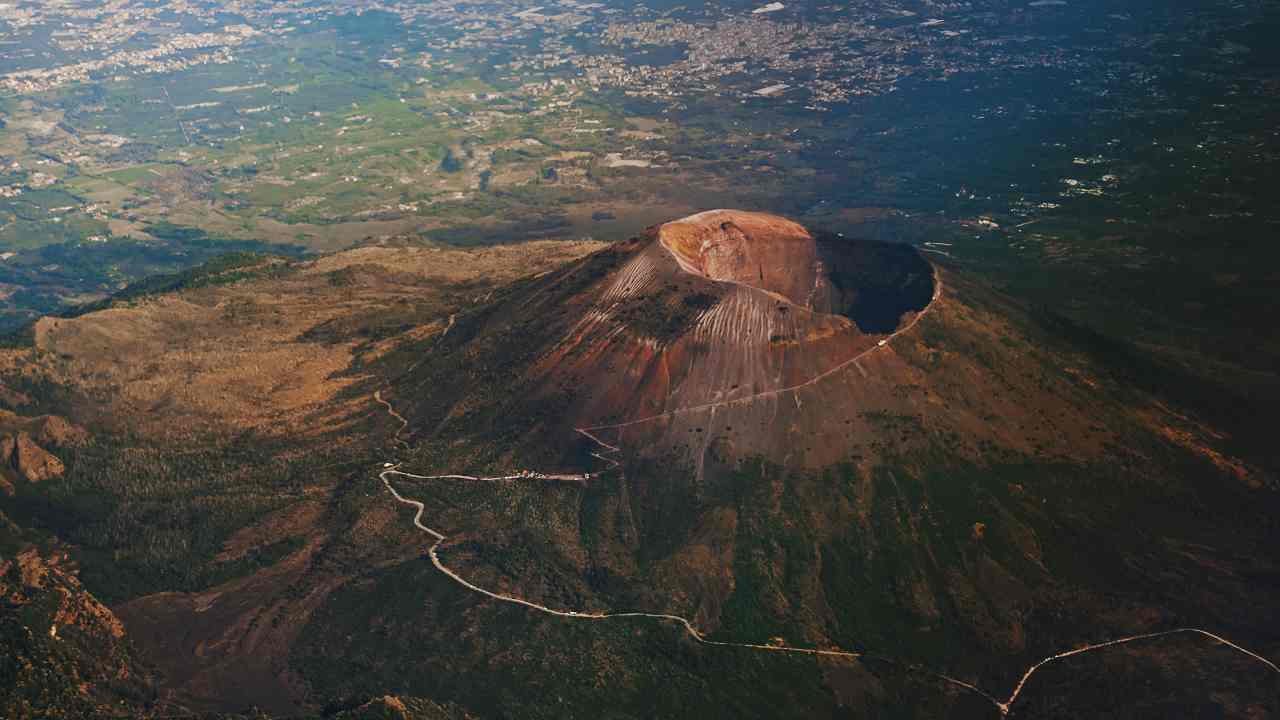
[(604, 455), (693, 632), (1003, 706)]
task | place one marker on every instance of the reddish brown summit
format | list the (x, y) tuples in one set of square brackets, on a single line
[(749, 248)]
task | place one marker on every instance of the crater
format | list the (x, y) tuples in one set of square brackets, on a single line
[(872, 283)]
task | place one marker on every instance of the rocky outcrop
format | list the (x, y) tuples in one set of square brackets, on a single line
[(23, 439), (392, 707), (57, 430), (29, 460), (30, 574), (62, 652)]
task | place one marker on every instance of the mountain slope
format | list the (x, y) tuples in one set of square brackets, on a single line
[(910, 466), (933, 487)]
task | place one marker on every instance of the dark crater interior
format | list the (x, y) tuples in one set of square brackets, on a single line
[(875, 282)]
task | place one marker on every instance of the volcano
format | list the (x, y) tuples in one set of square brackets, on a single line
[(787, 432), (746, 332), (731, 467)]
